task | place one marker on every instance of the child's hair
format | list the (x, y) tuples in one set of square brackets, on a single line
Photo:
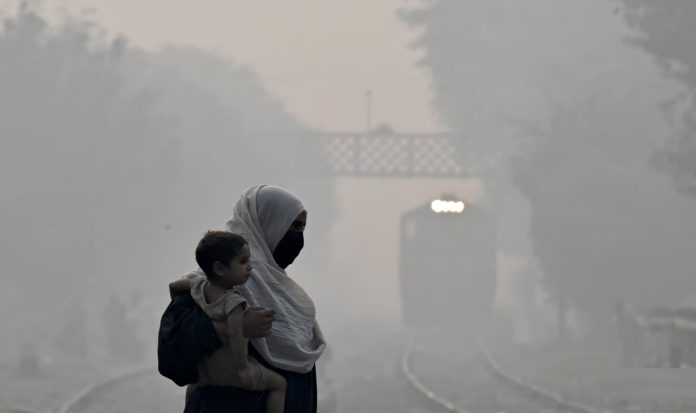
[(218, 246)]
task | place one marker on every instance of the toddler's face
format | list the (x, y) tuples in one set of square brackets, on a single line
[(238, 270)]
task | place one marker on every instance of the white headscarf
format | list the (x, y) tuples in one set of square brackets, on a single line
[(262, 215)]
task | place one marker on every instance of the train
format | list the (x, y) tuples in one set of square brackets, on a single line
[(447, 265)]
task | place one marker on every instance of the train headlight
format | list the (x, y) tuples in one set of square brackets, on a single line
[(440, 206)]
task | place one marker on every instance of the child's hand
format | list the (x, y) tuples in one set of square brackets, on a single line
[(179, 287)]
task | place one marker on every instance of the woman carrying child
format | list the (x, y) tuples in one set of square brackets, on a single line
[(272, 221)]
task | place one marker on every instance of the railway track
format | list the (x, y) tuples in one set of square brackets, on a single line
[(135, 390), (91, 394), (477, 383), (424, 379)]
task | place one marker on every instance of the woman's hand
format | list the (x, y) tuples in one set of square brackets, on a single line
[(257, 322), (247, 377)]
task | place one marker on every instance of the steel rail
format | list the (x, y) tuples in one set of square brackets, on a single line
[(83, 396)]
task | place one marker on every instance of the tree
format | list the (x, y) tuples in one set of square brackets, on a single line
[(115, 161), (606, 226), (665, 30), (494, 64), (83, 150)]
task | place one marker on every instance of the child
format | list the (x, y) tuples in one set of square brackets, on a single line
[(224, 258)]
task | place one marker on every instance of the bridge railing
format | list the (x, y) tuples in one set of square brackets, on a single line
[(431, 155)]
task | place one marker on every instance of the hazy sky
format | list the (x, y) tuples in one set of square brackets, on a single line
[(317, 56)]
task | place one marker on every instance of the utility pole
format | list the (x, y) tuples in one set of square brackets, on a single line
[(368, 105)]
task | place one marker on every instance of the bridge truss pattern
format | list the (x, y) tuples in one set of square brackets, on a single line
[(400, 155)]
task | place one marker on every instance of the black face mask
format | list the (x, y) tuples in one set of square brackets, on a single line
[(288, 248)]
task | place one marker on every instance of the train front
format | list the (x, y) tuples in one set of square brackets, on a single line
[(447, 266)]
